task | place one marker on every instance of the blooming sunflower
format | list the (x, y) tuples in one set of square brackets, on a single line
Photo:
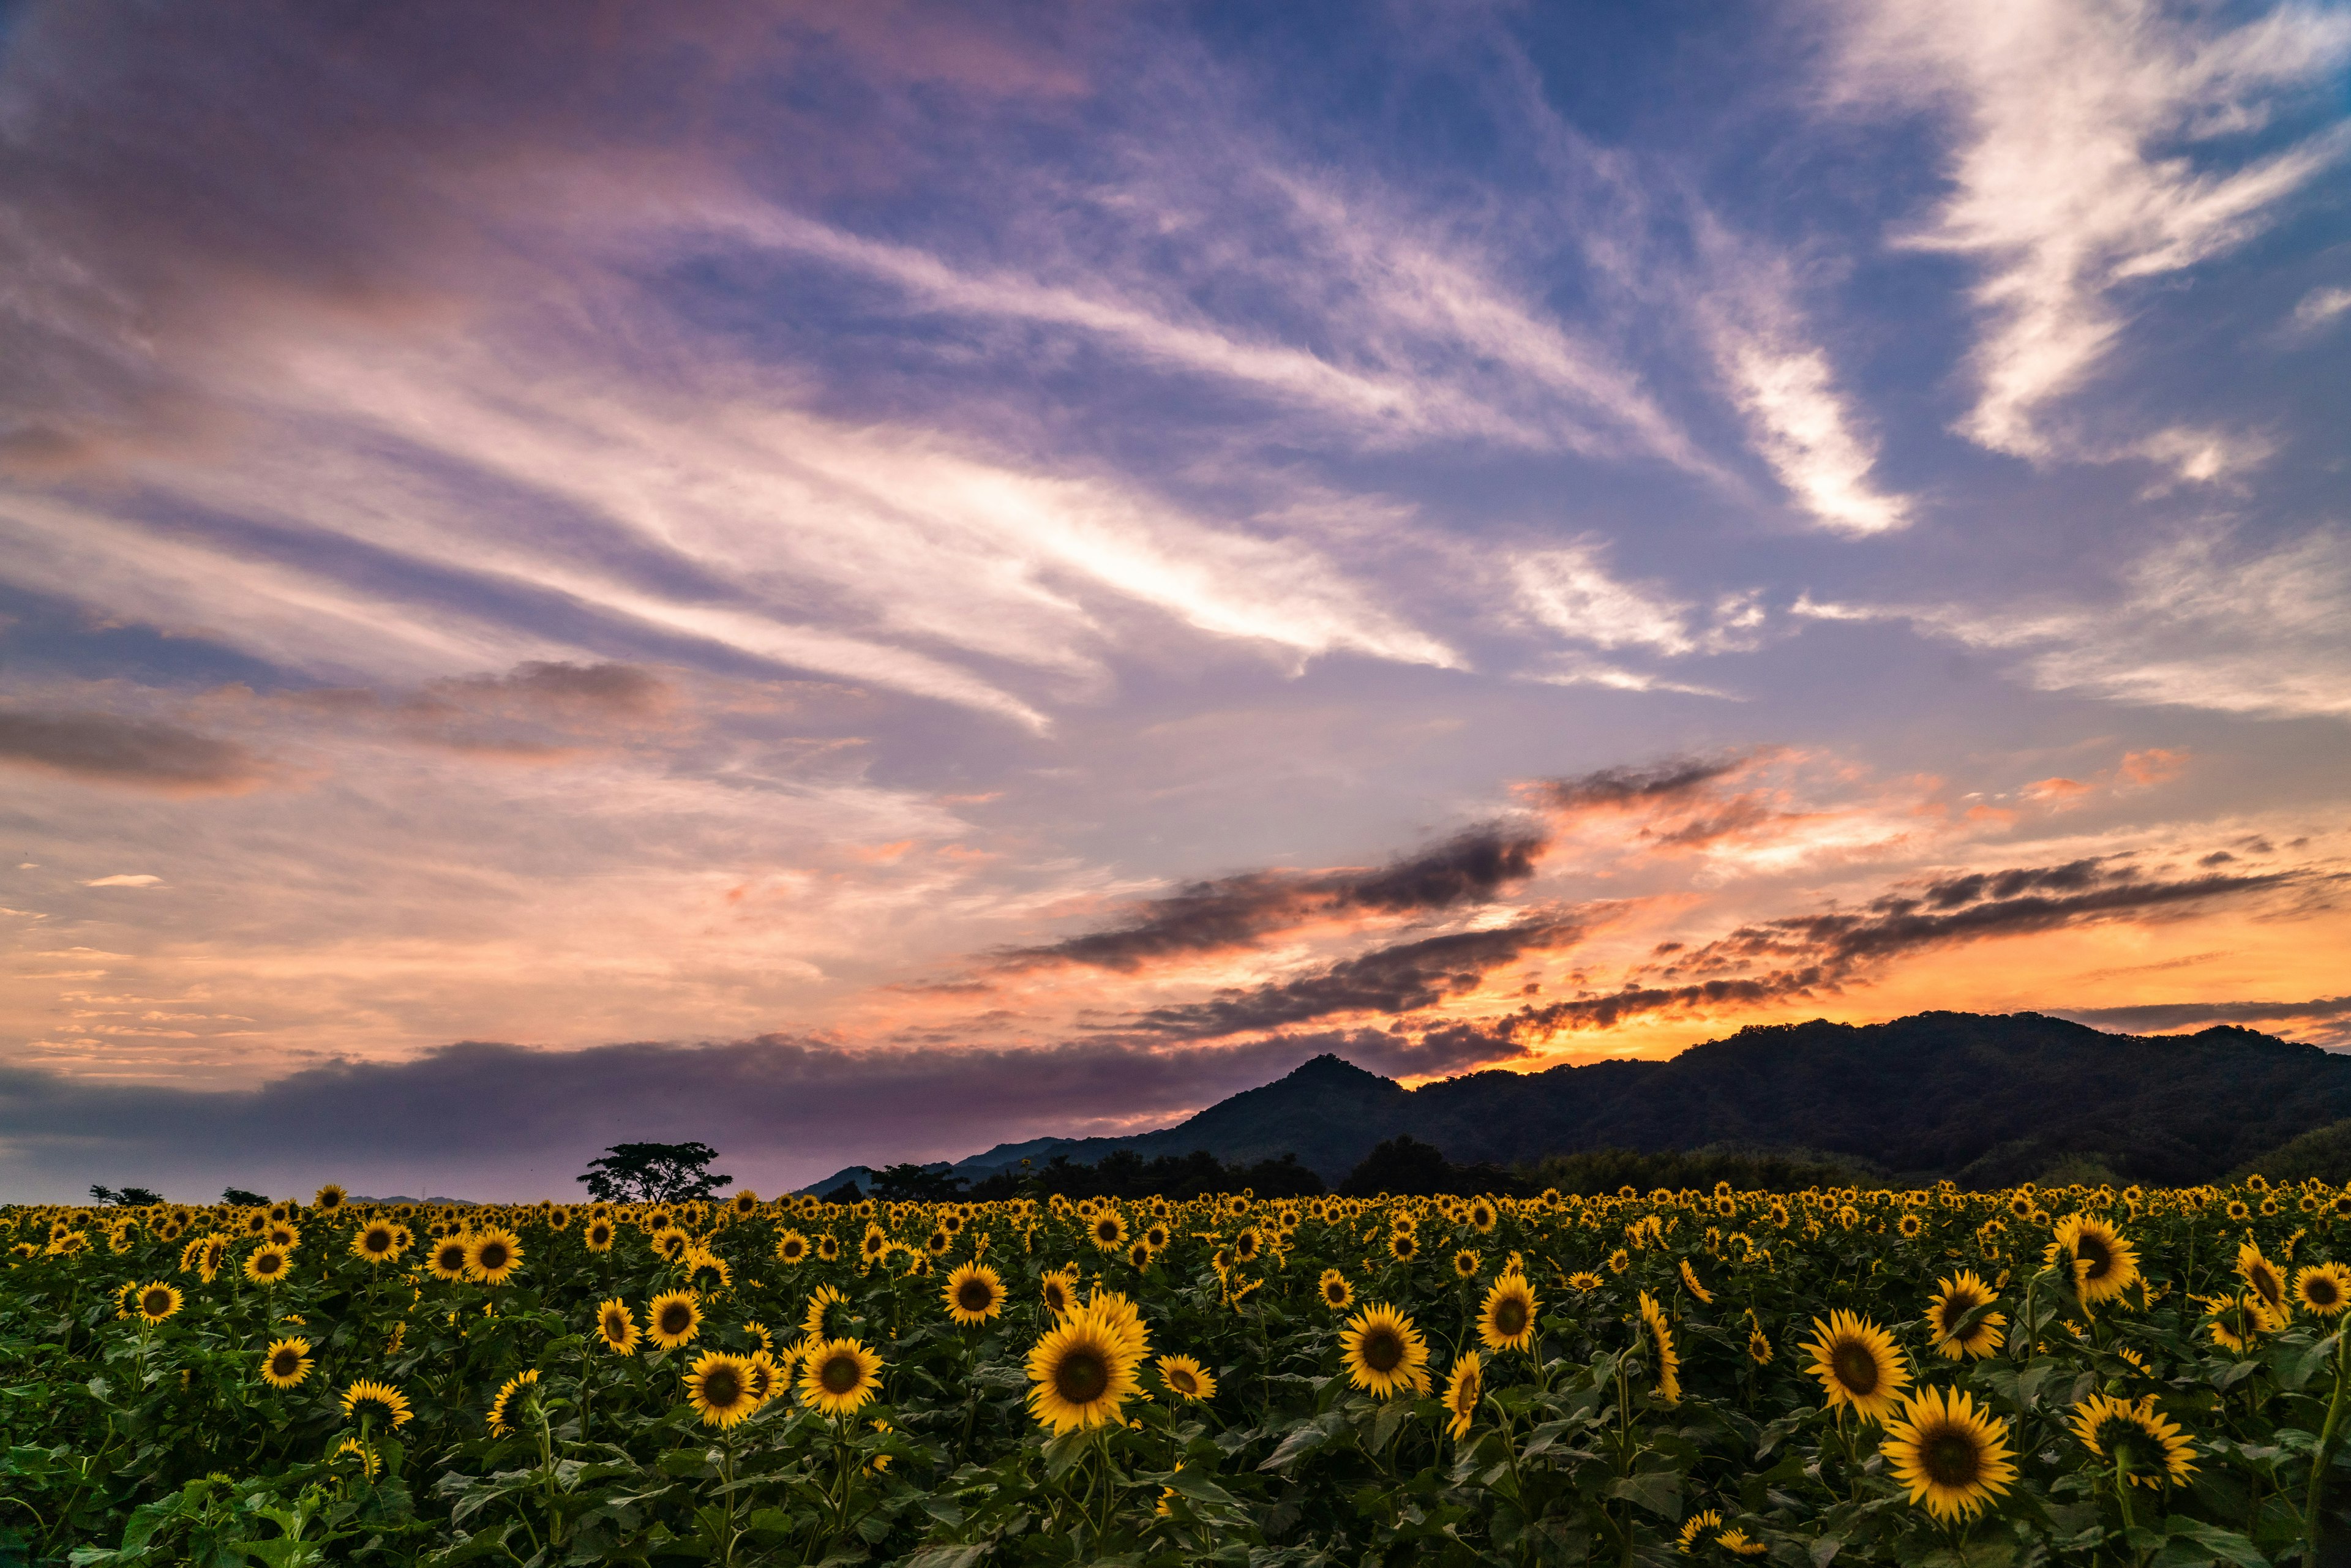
[(1465, 1264), (2238, 1321), (282, 1234), (765, 1376), (1058, 1288), (1082, 1371), (2324, 1288), (448, 1261), (721, 1386), (1384, 1355), (1481, 1217), (1404, 1246), (501, 1406), (1507, 1319), (875, 1245), (377, 1241), (1962, 1295), (1187, 1378), (2137, 1439), (1759, 1347), (598, 1235), (1856, 1363), (492, 1256), (1690, 1281), (1669, 1362), (1584, 1279), (366, 1398), (1953, 1457), (156, 1302), (1107, 1229), (671, 1243), (1337, 1294), (2104, 1265), (1619, 1260), (827, 1248), (793, 1248), (286, 1362), (616, 1327), (2267, 1283), (1156, 1236), (974, 1293), (836, 1375), (674, 1318), (267, 1265), (1463, 1386)]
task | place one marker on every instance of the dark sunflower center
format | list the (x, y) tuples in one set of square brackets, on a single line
[(1055, 1299), (1952, 1457), (839, 1375), (674, 1319), (1182, 1381), (616, 1327), (1335, 1290), (452, 1257), (379, 1240), (1107, 1229), (2321, 1291), (2093, 1251), (1856, 1369), (155, 1303), (284, 1363), (721, 1386), (974, 1296), (1082, 1376), (1383, 1350), (1511, 1316), (494, 1256)]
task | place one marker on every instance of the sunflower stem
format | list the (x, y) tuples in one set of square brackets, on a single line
[(2322, 1457)]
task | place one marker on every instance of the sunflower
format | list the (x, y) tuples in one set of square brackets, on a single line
[(674, 1318), (598, 1235), (827, 1248), (616, 1327), (1187, 1378), (1082, 1371), (2137, 1438), (204, 1257), (1694, 1529), (1507, 1320), (1960, 1295), (2238, 1211), (367, 1397), (2103, 1264), (765, 1376), (1856, 1363), (500, 1406), (1734, 1541), (1385, 1353), (836, 1375), (2268, 1284), (1909, 1225), (267, 1265), (1404, 1246), (1463, 1388), (283, 1235), (286, 1362), (705, 1272), (492, 1256), (156, 1302), (875, 1245), (1107, 1229), (1481, 1217), (1465, 1264), (1058, 1288), (369, 1463), (2324, 1288), (743, 1204), (670, 1243), (1759, 1347), (1953, 1457), (1619, 1260), (820, 1304), (974, 1293), (377, 1241), (1669, 1362), (721, 1387), (1156, 1236), (448, 1261), (1584, 1279), (1690, 1279), (329, 1198), (2238, 1321), (791, 1248)]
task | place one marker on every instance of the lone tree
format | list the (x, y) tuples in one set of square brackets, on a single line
[(126, 1196), (653, 1173), (242, 1198)]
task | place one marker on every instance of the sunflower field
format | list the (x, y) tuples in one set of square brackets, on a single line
[(1938, 1377)]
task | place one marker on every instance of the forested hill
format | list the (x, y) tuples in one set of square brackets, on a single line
[(1986, 1099)]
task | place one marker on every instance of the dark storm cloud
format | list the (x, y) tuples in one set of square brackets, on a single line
[(490, 1121), (142, 753), (1236, 911), (1401, 979), (1622, 788), (2157, 1017)]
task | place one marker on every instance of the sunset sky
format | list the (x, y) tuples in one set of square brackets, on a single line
[(856, 580)]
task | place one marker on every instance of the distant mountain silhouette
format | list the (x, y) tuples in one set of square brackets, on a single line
[(1985, 1100)]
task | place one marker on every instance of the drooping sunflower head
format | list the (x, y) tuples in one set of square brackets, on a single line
[(1691, 1282), (286, 1362), (363, 1453), (1947, 1315), (370, 1400), (2324, 1288), (1856, 1363), (502, 1408), (825, 1304), (974, 1293), (2264, 1278), (720, 1387), (836, 1375), (674, 1318), (266, 1265), (1953, 1457), (1082, 1372), (2104, 1265), (671, 1243), (1384, 1353), (1464, 1387), (155, 1301), (1186, 1379), (492, 1256), (1506, 1321), (1660, 1334), (616, 1327), (2237, 1323), (2137, 1438), (1695, 1530)]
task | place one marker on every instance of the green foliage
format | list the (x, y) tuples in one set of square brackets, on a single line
[(2322, 1155)]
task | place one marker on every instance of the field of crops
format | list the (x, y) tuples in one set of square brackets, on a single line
[(2074, 1375)]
